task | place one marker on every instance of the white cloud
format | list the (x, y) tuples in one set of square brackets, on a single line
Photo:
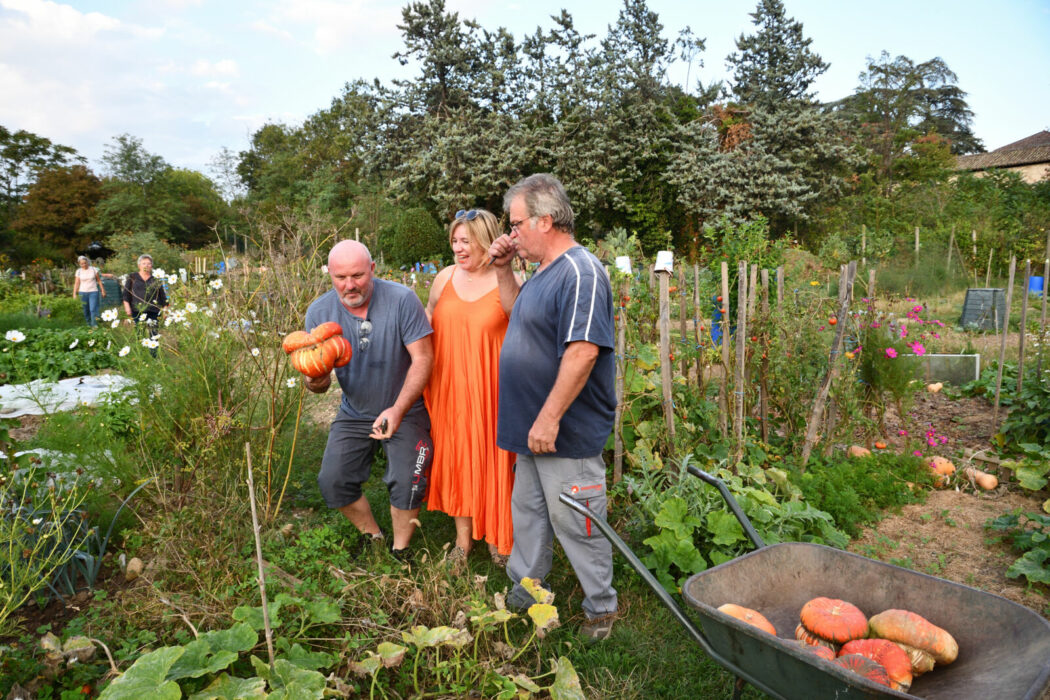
[(225, 67), (337, 25), (266, 28)]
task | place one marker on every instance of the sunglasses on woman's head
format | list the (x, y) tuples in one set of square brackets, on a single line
[(467, 215)]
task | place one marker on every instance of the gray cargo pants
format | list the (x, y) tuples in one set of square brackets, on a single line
[(539, 516)]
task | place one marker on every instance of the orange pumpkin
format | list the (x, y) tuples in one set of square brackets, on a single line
[(751, 617), (913, 630), (317, 352)]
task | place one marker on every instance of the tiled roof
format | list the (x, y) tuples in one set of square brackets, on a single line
[(1028, 151)]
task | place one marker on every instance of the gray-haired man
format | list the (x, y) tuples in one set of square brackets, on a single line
[(557, 398)]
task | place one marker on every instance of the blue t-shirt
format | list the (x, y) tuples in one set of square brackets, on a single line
[(570, 300), (373, 378)]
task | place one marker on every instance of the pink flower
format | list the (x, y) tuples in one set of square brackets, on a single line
[(918, 348), (875, 325), (902, 432), (930, 441), (944, 440), (891, 353), (904, 332), (917, 453)]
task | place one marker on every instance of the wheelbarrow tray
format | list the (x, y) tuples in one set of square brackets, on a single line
[(1004, 648)]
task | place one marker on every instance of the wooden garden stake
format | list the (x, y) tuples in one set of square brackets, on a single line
[(683, 309), (741, 355), (763, 407), (780, 285), (698, 329), (665, 352), (863, 244), (845, 299), (916, 246), (621, 363), (871, 283), (723, 414), (988, 270), (1002, 343), (951, 244), (1042, 316), (1024, 321), (751, 294), (259, 556)]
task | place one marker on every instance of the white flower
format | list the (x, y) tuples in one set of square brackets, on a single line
[(37, 521), (168, 320), (142, 316), (150, 343), (255, 352), (114, 324), (15, 336), (252, 313), (213, 334), (290, 382), (172, 279), (124, 351), (91, 343), (76, 341), (215, 284), (159, 272), (109, 344), (191, 307), (157, 390), (109, 315), (145, 342), (324, 269), (209, 313)]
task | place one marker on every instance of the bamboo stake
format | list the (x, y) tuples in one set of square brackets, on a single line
[(1002, 342), (871, 283), (863, 244), (258, 556), (742, 304), (683, 309), (1024, 322), (916, 246), (988, 270), (726, 404), (845, 298), (665, 351), (973, 237), (621, 350), (780, 285), (763, 407)]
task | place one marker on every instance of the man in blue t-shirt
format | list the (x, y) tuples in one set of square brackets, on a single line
[(556, 395), (382, 385)]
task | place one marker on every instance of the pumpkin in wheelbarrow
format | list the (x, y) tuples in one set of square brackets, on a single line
[(830, 622), (751, 617), (925, 643), (888, 655)]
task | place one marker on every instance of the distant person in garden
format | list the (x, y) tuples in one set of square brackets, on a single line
[(556, 395), (87, 284), (472, 477), (144, 298), (382, 394)]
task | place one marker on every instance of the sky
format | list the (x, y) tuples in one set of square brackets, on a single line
[(191, 77)]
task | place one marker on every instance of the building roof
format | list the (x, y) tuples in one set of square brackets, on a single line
[(1034, 149)]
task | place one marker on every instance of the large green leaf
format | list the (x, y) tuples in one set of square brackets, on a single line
[(226, 687), (214, 651), (724, 527), (674, 515), (1032, 565), (304, 658), (566, 684), (146, 678)]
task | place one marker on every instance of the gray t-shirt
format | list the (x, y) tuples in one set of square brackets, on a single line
[(570, 300), (373, 378)]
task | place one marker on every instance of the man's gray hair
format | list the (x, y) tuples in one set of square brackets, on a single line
[(144, 256), (544, 194)]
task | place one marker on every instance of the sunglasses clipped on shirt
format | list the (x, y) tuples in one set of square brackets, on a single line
[(467, 215), (364, 330)]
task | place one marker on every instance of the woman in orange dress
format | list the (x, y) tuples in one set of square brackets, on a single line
[(471, 478)]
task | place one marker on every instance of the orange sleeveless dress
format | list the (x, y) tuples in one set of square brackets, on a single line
[(470, 475)]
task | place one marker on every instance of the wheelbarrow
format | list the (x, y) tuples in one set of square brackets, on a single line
[(1004, 648)]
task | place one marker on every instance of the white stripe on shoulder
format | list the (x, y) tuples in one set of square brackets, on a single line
[(576, 297), (576, 301)]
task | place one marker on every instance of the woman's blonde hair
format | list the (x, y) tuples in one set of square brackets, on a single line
[(481, 225)]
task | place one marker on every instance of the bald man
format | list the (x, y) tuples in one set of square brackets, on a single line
[(382, 389)]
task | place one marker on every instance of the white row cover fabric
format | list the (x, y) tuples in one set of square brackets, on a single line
[(40, 397)]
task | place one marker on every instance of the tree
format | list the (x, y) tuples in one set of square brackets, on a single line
[(23, 155), (775, 64), (57, 205), (899, 101)]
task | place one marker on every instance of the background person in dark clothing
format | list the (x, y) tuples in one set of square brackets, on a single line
[(144, 297)]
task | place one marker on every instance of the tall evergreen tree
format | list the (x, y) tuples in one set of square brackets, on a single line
[(775, 64)]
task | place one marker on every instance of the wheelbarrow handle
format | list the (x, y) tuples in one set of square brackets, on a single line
[(745, 522), (642, 570)]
